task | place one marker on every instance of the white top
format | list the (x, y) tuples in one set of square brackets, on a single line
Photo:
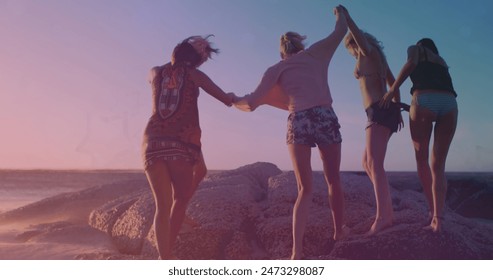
[(300, 81)]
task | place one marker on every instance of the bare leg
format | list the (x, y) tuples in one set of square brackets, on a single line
[(181, 173), (443, 135), (331, 158), (421, 126), (300, 156), (160, 182), (365, 164), (377, 137), (199, 173)]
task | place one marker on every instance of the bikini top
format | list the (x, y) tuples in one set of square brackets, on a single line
[(380, 73), (430, 75), (377, 74)]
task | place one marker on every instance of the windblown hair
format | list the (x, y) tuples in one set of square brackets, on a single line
[(372, 40), (193, 51), (429, 44), (291, 43)]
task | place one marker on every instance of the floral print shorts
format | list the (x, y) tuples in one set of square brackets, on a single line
[(314, 126)]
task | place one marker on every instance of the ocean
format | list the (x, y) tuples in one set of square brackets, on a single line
[(22, 187)]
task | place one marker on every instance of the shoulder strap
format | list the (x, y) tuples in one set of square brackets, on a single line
[(424, 52)]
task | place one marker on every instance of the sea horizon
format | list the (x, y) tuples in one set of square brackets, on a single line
[(135, 170)]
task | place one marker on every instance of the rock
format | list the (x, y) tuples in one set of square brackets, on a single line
[(275, 223), (133, 225), (223, 205), (246, 213), (105, 217), (203, 244), (74, 207), (239, 247), (412, 242), (471, 197), (478, 205)]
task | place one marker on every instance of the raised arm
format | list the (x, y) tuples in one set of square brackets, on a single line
[(325, 48), (204, 82), (359, 38)]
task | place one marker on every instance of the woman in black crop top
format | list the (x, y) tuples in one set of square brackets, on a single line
[(433, 110)]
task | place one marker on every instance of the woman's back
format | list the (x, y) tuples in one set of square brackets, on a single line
[(303, 79), (174, 105), (431, 72)]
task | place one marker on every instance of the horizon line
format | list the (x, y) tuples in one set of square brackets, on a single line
[(211, 170)]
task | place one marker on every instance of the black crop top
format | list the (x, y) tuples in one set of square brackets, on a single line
[(429, 75)]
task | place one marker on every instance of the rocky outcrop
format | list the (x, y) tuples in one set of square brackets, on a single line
[(246, 214), (225, 205), (471, 196)]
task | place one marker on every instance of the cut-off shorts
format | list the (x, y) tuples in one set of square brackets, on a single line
[(314, 126), (388, 117)]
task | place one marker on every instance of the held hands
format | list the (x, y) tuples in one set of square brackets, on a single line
[(232, 99), (238, 102), (337, 11), (341, 10)]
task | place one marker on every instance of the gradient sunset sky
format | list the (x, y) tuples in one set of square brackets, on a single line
[(74, 91)]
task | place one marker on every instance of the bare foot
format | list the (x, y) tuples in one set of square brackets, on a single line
[(342, 234), (379, 225), (435, 225)]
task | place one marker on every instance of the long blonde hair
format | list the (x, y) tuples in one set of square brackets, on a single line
[(372, 40)]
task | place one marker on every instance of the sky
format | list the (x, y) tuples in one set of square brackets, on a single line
[(74, 91)]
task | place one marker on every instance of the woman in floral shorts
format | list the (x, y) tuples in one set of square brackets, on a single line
[(299, 84), (314, 126)]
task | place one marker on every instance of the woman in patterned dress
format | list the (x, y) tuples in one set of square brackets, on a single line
[(173, 160)]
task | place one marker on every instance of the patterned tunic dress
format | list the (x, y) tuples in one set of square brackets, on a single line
[(173, 131)]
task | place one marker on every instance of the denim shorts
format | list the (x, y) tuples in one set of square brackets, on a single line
[(314, 126)]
